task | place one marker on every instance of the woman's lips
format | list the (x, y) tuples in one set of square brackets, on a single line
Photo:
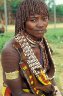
[(40, 31)]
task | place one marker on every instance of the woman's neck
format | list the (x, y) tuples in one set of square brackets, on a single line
[(33, 38)]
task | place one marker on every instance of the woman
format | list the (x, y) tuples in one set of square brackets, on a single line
[(28, 69)]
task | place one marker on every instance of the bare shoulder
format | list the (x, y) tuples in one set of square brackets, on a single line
[(10, 57), (8, 48)]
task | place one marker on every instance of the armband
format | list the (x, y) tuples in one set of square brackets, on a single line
[(12, 75)]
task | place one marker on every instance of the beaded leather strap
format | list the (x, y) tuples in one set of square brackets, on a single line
[(32, 62)]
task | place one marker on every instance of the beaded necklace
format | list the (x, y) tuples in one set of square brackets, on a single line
[(33, 64), (43, 55), (32, 61), (43, 58), (32, 42)]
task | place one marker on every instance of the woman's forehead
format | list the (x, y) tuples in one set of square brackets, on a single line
[(38, 16)]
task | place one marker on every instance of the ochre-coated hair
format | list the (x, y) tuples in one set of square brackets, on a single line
[(27, 8)]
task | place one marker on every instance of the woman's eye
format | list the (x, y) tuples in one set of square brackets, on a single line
[(44, 19), (33, 20)]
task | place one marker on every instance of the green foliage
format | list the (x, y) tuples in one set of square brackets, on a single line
[(1, 5), (14, 4), (59, 9), (4, 38), (55, 35), (1, 8)]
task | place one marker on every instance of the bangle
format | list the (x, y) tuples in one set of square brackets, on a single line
[(12, 75)]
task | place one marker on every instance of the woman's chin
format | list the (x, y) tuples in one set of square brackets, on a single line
[(40, 36)]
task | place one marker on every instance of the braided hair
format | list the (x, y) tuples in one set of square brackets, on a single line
[(27, 8)]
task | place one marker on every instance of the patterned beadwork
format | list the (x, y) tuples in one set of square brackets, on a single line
[(35, 64)]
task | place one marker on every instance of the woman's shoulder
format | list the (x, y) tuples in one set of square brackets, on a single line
[(9, 48), (10, 57)]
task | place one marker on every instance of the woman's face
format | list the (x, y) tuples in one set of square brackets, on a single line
[(36, 26)]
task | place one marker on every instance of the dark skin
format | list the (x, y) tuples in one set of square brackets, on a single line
[(35, 27)]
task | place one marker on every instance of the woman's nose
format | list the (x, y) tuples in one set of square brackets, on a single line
[(40, 23)]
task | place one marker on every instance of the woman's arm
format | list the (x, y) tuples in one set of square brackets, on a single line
[(10, 63)]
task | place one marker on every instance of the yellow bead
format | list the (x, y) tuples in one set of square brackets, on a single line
[(25, 68), (31, 82), (30, 76), (34, 88), (37, 92)]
